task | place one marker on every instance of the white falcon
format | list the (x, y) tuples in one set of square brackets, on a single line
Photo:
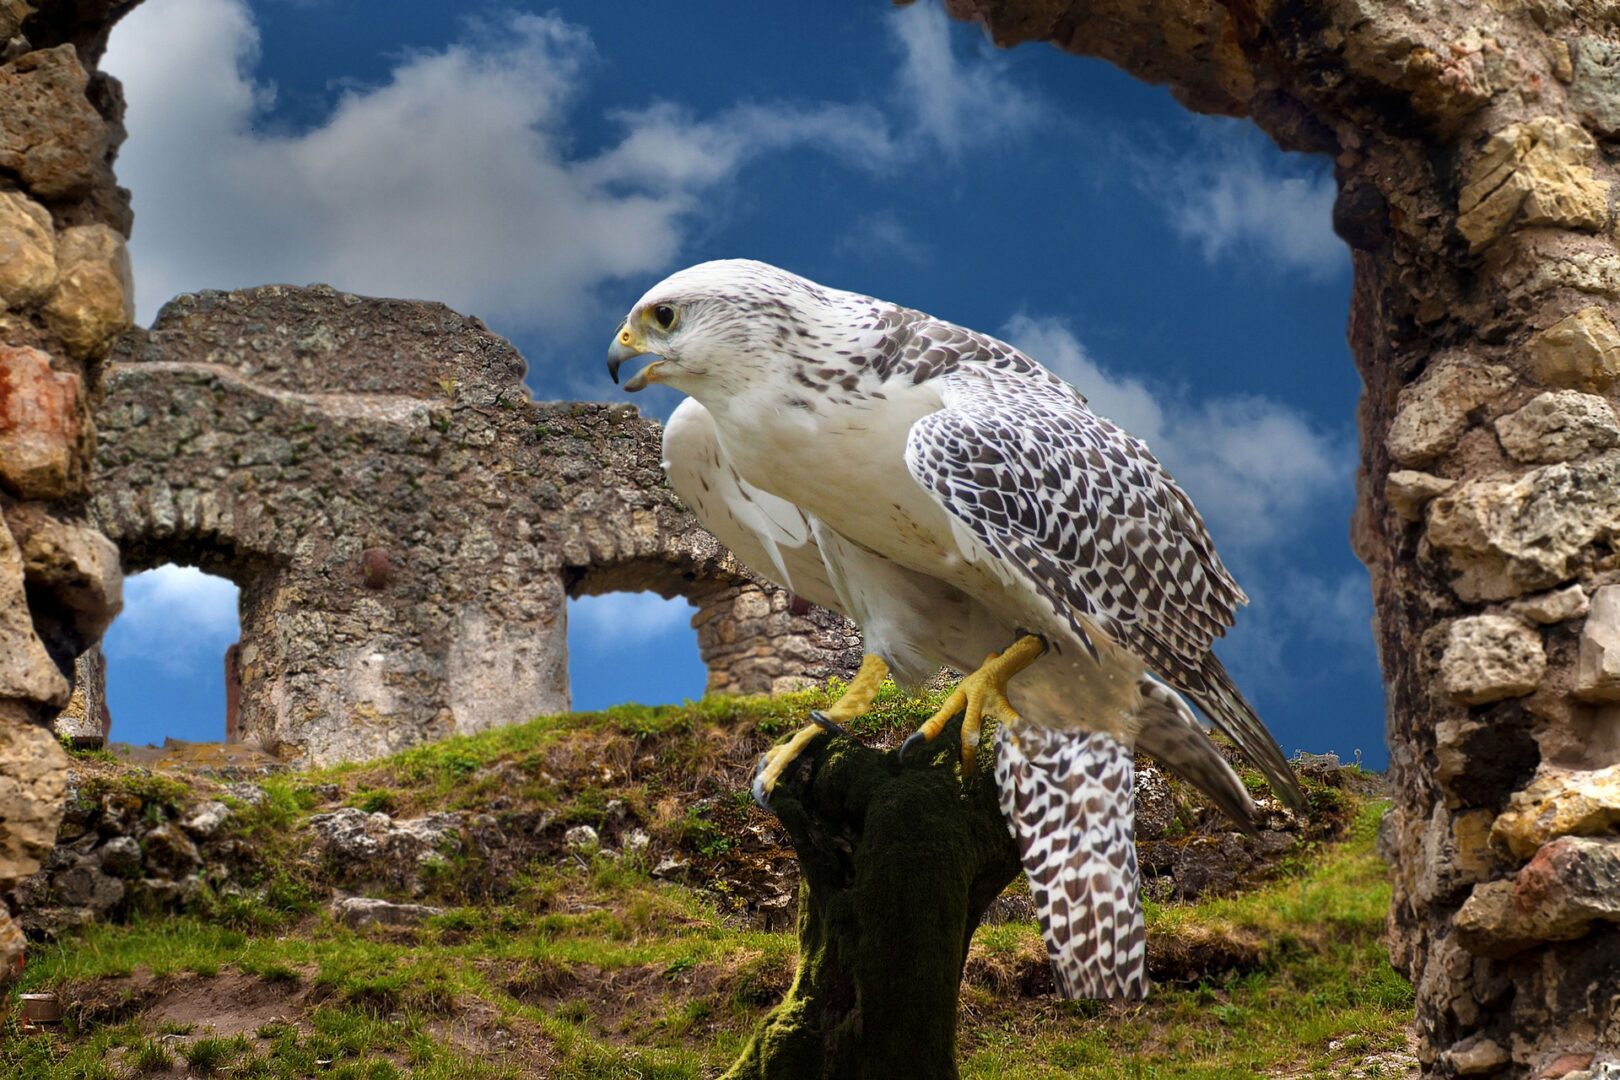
[(964, 506)]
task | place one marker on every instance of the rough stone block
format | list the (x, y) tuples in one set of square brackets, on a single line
[(50, 135), (1532, 173), (1409, 491), (27, 252), (1559, 803), (39, 424), (1557, 606), (1571, 883), (95, 294), (33, 784), (1491, 657), (72, 562), (26, 671), (1580, 351), (1597, 674), (1508, 535), (1434, 411), (1557, 426)]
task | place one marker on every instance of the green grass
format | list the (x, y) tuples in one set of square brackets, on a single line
[(592, 968)]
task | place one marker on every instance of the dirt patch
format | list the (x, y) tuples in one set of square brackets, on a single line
[(229, 1003)]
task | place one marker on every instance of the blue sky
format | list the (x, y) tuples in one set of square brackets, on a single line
[(540, 166)]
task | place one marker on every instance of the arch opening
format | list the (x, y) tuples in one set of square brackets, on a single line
[(169, 658)]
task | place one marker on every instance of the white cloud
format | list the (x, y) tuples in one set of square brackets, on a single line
[(1255, 467), (455, 178), (882, 235), (1233, 198), (176, 617), (955, 103), (624, 620)]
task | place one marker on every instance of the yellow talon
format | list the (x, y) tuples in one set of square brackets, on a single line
[(853, 703), (981, 694)]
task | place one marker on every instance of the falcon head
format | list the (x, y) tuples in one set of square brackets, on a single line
[(713, 325)]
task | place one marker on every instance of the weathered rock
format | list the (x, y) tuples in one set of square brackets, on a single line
[(120, 856), (636, 842), (1437, 408), (1559, 803), (582, 838), (249, 794), (1508, 535), (26, 670), (27, 251), (83, 885), (207, 819), (72, 562), (1476, 1056), (1534, 173), (375, 848), (12, 943), (358, 912), (1597, 672), (32, 786), (1571, 883), (1580, 351), (1557, 426), (1594, 75), (1549, 608), (1409, 491), (39, 424), (50, 135), (1155, 804), (95, 295), (169, 849), (1491, 657)]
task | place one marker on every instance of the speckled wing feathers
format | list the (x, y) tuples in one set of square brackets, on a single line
[(1097, 526)]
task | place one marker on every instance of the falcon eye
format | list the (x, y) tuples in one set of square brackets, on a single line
[(665, 315)]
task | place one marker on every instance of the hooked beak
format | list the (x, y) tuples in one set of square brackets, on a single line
[(627, 345)]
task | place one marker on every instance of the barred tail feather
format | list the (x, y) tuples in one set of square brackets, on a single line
[(1172, 734), (1225, 705), (1070, 803)]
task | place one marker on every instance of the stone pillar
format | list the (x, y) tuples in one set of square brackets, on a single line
[(755, 639), (64, 293), (1474, 145), (233, 693), (85, 721)]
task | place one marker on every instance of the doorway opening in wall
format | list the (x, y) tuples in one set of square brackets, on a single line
[(632, 647), (166, 657)]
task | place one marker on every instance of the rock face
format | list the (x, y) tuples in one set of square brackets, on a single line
[(405, 524), (64, 293), (1474, 147)]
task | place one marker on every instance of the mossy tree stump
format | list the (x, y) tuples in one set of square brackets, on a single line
[(898, 866)]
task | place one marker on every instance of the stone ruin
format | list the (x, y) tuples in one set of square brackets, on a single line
[(404, 523)]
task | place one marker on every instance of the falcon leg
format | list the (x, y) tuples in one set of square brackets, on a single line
[(981, 694), (853, 703)]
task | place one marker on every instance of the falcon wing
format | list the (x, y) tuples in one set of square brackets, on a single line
[(1088, 518), (770, 535)]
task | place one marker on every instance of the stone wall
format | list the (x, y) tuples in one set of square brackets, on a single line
[(1475, 149), (64, 294), (404, 523)]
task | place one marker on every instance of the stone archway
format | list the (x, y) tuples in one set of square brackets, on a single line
[(404, 523)]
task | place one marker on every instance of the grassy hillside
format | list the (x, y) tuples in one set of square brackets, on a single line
[(654, 956)]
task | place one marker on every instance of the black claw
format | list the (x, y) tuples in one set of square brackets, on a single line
[(911, 740), (829, 724)]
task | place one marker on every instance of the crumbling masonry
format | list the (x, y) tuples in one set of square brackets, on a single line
[(64, 295), (404, 523), (1474, 146)]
